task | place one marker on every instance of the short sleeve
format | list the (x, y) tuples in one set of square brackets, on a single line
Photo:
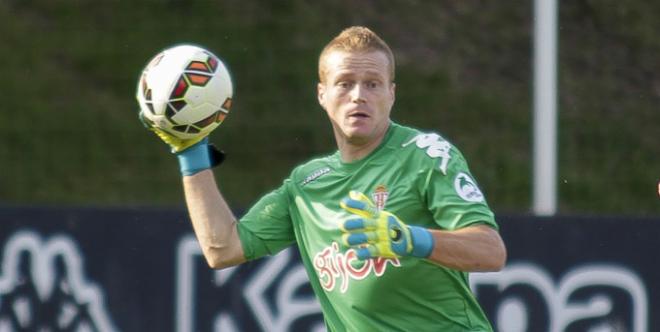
[(266, 228), (453, 197)]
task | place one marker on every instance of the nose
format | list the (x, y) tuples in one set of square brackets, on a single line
[(357, 94)]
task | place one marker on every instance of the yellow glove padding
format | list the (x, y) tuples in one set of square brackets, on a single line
[(380, 233), (177, 144)]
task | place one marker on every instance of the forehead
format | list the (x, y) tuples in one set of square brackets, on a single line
[(347, 63)]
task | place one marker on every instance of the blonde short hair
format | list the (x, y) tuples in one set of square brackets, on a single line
[(356, 39)]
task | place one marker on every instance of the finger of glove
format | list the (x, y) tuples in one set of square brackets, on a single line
[(175, 143), (356, 225), (360, 197), (365, 252), (356, 207), (187, 143), (167, 138), (372, 251), (359, 204), (352, 225), (356, 239)]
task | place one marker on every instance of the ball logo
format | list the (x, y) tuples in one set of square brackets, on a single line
[(467, 189)]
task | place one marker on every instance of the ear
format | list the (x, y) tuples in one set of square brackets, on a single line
[(393, 92), (320, 94)]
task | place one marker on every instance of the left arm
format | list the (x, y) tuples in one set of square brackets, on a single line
[(374, 233), (477, 248)]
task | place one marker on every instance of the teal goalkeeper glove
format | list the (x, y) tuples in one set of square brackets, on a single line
[(381, 234), (194, 155)]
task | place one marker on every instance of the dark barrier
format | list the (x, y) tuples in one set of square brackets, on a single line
[(141, 270)]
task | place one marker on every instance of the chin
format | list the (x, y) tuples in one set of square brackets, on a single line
[(357, 138), (356, 133)]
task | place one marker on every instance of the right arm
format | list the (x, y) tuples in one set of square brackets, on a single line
[(214, 223), (215, 226)]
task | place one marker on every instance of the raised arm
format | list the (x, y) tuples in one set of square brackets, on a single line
[(213, 221), (184, 93)]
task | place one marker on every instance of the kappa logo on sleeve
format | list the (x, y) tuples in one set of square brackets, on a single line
[(42, 288), (436, 147), (467, 189)]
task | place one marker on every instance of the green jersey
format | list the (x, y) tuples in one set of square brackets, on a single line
[(422, 179)]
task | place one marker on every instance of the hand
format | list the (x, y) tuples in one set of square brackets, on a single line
[(195, 155), (380, 233), (177, 144)]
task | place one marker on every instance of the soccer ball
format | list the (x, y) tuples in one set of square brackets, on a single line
[(186, 91)]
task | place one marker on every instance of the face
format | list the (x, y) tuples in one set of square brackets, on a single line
[(357, 95)]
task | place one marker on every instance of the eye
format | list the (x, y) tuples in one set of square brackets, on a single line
[(344, 85), (373, 84)]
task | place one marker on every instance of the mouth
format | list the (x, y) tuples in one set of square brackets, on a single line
[(358, 115)]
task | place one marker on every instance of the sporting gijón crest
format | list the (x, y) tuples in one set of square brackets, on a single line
[(379, 196)]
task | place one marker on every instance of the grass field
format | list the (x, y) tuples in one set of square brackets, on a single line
[(69, 69)]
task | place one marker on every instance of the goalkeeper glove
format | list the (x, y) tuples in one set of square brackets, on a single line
[(194, 155), (380, 233)]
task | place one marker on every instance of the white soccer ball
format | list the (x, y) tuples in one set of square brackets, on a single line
[(186, 91)]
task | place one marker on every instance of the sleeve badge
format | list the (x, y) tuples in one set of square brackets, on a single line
[(467, 189)]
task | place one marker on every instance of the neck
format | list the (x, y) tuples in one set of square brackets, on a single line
[(353, 149)]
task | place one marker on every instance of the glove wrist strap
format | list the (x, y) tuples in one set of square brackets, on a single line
[(423, 241), (195, 158)]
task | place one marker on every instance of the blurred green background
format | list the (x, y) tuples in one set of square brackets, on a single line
[(68, 72)]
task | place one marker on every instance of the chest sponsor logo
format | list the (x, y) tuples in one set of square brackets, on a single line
[(380, 196), (315, 175), (337, 269), (467, 189), (435, 146)]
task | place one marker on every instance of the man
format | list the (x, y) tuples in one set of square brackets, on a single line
[(352, 213)]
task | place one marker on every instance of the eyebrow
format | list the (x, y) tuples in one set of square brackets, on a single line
[(368, 73)]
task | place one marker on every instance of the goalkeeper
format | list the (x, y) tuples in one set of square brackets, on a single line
[(388, 227)]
